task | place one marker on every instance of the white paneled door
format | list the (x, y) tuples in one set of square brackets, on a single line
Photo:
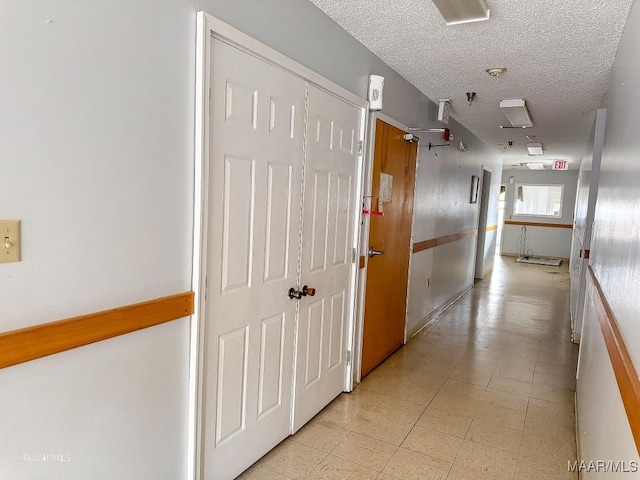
[(329, 208), (256, 150), (260, 118)]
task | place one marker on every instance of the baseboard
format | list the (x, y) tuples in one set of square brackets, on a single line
[(578, 448), (516, 255), (432, 319)]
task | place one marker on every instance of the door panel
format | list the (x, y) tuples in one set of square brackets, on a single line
[(387, 274), (255, 169), (329, 213), (278, 228)]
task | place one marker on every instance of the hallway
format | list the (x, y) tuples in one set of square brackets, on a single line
[(485, 393)]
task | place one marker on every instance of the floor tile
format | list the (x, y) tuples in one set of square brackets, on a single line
[(556, 370), (502, 416), (554, 381), (334, 468), (509, 385), (506, 399), (365, 451), (386, 425), (258, 472), (293, 459), (408, 465), (384, 476), (552, 394), (321, 436), (519, 374), (445, 422), (500, 464), (433, 443), (463, 473), (495, 436), (537, 468), (479, 375)]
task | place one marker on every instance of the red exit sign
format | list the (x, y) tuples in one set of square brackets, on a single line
[(560, 165)]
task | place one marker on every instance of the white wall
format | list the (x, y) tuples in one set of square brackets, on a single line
[(615, 257), (96, 138), (96, 150), (545, 241)]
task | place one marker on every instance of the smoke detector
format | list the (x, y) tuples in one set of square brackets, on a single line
[(496, 71)]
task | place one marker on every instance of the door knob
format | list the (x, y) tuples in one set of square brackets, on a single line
[(293, 293), (308, 291), (373, 252)]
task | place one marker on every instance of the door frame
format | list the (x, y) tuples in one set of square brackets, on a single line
[(483, 203), (209, 27), (356, 376)]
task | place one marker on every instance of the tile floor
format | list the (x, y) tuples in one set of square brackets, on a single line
[(485, 393)]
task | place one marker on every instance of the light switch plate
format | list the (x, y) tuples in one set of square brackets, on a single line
[(9, 241)]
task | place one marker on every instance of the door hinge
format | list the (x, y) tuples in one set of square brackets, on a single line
[(360, 147), (348, 357), (354, 255)]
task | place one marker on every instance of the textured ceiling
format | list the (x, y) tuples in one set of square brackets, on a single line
[(558, 55)]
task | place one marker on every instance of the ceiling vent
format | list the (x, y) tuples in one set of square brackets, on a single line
[(516, 112), (462, 11), (535, 149)]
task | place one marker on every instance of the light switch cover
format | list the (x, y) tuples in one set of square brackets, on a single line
[(9, 241)]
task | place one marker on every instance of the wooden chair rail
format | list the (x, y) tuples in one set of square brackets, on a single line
[(37, 341), (538, 224), (623, 368), (436, 242)]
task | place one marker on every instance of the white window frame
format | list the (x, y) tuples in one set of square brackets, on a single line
[(515, 199)]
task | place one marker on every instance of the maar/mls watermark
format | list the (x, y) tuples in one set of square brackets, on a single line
[(44, 457), (604, 466)]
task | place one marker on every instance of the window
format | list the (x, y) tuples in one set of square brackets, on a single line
[(539, 200)]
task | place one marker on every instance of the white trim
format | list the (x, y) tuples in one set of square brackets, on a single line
[(201, 148), (207, 28), (354, 340), (230, 34)]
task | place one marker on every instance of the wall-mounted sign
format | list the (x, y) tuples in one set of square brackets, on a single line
[(560, 165), (386, 190)]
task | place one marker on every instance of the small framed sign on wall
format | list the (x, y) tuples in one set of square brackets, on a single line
[(475, 181)]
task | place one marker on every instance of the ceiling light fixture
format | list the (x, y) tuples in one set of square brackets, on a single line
[(535, 149), (516, 112), (496, 71), (535, 166), (455, 12)]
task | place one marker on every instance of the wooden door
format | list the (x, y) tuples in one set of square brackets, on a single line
[(257, 146), (330, 178), (388, 273)]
